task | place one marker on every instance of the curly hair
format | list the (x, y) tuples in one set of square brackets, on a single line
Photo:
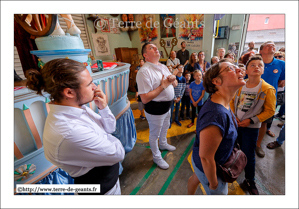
[(55, 76), (246, 57)]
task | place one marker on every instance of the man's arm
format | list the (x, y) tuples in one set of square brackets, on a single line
[(186, 63), (154, 93), (87, 148), (281, 83)]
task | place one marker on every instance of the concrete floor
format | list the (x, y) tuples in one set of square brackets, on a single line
[(141, 176)]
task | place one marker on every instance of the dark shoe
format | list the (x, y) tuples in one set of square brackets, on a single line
[(280, 125), (178, 123), (282, 118), (169, 126), (182, 119), (277, 116), (251, 187), (260, 152), (273, 145), (188, 118), (142, 117), (270, 133)]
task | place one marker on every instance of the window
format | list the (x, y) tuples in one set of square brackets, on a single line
[(267, 20)]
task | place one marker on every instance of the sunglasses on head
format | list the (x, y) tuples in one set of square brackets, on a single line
[(280, 56)]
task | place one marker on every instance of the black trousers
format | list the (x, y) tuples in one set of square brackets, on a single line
[(106, 176), (194, 111)]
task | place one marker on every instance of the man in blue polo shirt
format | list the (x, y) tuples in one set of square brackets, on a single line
[(274, 74)]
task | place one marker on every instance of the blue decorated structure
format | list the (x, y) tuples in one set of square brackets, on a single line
[(31, 110)]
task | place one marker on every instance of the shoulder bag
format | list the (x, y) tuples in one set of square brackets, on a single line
[(234, 165)]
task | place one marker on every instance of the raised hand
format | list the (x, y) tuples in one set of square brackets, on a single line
[(165, 82), (171, 78), (100, 99)]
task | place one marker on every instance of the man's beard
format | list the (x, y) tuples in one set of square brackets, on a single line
[(79, 98)]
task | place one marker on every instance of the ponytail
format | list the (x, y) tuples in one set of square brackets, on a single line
[(35, 81)]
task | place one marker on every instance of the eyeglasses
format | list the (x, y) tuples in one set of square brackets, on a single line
[(270, 45), (232, 68), (280, 56)]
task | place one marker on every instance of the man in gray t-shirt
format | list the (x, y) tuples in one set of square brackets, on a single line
[(250, 48)]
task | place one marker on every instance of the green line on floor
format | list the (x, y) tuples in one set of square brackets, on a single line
[(139, 145), (176, 168), (263, 188), (137, 188), (131, 93)]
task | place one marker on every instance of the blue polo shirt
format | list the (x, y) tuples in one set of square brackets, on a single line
[(274, 72)]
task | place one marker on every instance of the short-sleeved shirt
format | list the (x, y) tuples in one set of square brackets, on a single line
[(182, 56), (217, 115), (138, 68), (244, 52), (149, 78), (172, 62), (196, 91), (274, 72)]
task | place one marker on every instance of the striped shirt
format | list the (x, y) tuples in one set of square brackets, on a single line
[(180, 88)]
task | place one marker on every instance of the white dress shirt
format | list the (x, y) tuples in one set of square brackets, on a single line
[(149, 78), (77, 139)]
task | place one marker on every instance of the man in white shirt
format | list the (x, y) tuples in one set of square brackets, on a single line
[(155, 87), (173, 61), (75, 138)]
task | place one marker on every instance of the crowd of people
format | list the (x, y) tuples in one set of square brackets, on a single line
[(229, 110), (244, 91)]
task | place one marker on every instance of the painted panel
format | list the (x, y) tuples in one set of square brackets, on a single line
[(39, 116), (22, 136)]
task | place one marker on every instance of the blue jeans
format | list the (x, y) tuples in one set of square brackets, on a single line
[(280, 139), (282, 110), (185, 103), (222, 188), (176, 113), (247, 138)]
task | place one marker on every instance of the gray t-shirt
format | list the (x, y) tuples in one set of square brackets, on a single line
[(246, 99)]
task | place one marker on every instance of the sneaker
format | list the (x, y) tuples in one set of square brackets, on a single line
[(161, 163), (251, 187), (260, 152), (178, 123), (142, 117), (167, 147), (282, 118)]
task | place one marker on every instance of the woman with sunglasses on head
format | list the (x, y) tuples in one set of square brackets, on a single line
[(216, 131), (192, 65)]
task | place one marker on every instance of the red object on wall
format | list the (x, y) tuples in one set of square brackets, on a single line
[(257, 22), (24, 45)]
